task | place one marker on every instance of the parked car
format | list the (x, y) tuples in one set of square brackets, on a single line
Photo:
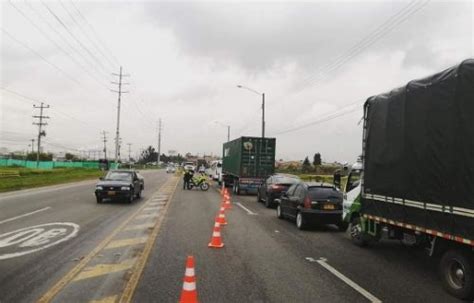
[(312, 203), (273, 187), (120, 184)]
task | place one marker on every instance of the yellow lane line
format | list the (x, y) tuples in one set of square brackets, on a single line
[(53, 291), (111, 299), (129, 290), (126, 242), (138, 227), (104, 269)]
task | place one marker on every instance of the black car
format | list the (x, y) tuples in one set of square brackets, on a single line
[(312, 203), (120, 184), (272, 188)]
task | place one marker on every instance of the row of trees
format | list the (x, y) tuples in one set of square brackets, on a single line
[(150, 155), (306, 166)]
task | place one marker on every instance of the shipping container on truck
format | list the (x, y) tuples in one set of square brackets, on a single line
[(246, 162), (418, 172)]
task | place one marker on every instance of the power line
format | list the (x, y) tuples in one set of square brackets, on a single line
[(328, 117), (39, 55), (367, 41), (101, 42), (54, 42), (80, 28), (71, 34)]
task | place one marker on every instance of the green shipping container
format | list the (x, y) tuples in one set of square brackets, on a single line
[(249, 157)]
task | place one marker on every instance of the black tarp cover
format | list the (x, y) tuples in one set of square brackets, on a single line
[(420, 146)]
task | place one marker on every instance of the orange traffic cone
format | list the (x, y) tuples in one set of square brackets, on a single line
[(216, 240), (221, 217), (189, 293), (226, 203)]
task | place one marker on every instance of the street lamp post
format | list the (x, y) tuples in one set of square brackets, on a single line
[(263, 105), (228, 129)]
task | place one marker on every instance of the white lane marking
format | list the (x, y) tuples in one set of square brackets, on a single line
[(245, 208), (35, 238), (24, 215), (152, 208), (355, 286)]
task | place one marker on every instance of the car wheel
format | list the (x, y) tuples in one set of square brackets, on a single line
[(99, 200), (355, 232), (456, 271), (300, 221), (268, 202), (139, 194), (259, 198), (279, 212), (130, 197)]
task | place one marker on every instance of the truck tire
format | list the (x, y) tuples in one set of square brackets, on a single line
[(456, 270), (355, 232)]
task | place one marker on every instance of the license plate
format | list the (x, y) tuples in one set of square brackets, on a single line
[(111, 193), (328, 206)]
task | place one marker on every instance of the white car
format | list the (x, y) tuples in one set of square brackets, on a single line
[(170, 169)]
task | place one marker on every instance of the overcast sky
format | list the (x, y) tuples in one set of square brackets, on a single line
[(313, 61)]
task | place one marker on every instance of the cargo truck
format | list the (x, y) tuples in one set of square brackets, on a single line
[(246, 162), (417, 182)]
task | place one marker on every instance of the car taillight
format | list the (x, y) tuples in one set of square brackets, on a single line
[(307, 202), (276, 187)]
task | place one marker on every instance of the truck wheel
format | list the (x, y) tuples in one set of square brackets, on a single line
[(355, 232), (456, 270)]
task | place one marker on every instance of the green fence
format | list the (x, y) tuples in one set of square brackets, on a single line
[(52, 164)]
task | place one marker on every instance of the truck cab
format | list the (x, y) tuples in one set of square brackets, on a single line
[(351, 190)]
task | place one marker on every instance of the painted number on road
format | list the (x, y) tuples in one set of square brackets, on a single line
[(35, 238)]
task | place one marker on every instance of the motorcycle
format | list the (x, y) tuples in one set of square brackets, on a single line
[(199, 181)]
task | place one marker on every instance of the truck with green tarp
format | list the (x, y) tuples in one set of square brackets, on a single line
[(417, 182), (246, 162)]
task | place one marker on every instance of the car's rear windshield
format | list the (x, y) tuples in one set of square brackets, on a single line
[(284, 180), (118, 176), (318, 193)]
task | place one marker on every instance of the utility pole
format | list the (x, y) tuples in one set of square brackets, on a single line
[(228, 133), (159, 143), (129, 152), (263, 115), (104, 139), (119, 92), (41, 132), (32, 145)]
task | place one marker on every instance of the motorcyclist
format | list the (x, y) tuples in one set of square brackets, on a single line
[(188, 175)]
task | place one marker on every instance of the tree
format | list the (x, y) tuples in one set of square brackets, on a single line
[(317, 159), (148, 155), (70, 157), (306, 167)]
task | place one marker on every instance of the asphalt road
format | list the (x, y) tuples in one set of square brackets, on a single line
[(24, 278), (268, 260)]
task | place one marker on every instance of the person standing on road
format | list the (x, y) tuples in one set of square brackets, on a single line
[(188, 174)]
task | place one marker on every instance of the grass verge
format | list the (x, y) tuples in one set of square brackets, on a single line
[(22, 178)]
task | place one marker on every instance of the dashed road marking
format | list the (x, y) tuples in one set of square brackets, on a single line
[(152, 208), (81, 271), (355, 286), (24, 215), (126, 242), (104, 269), (245, 208)]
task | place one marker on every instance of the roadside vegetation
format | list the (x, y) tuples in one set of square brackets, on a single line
[(21, 178)]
